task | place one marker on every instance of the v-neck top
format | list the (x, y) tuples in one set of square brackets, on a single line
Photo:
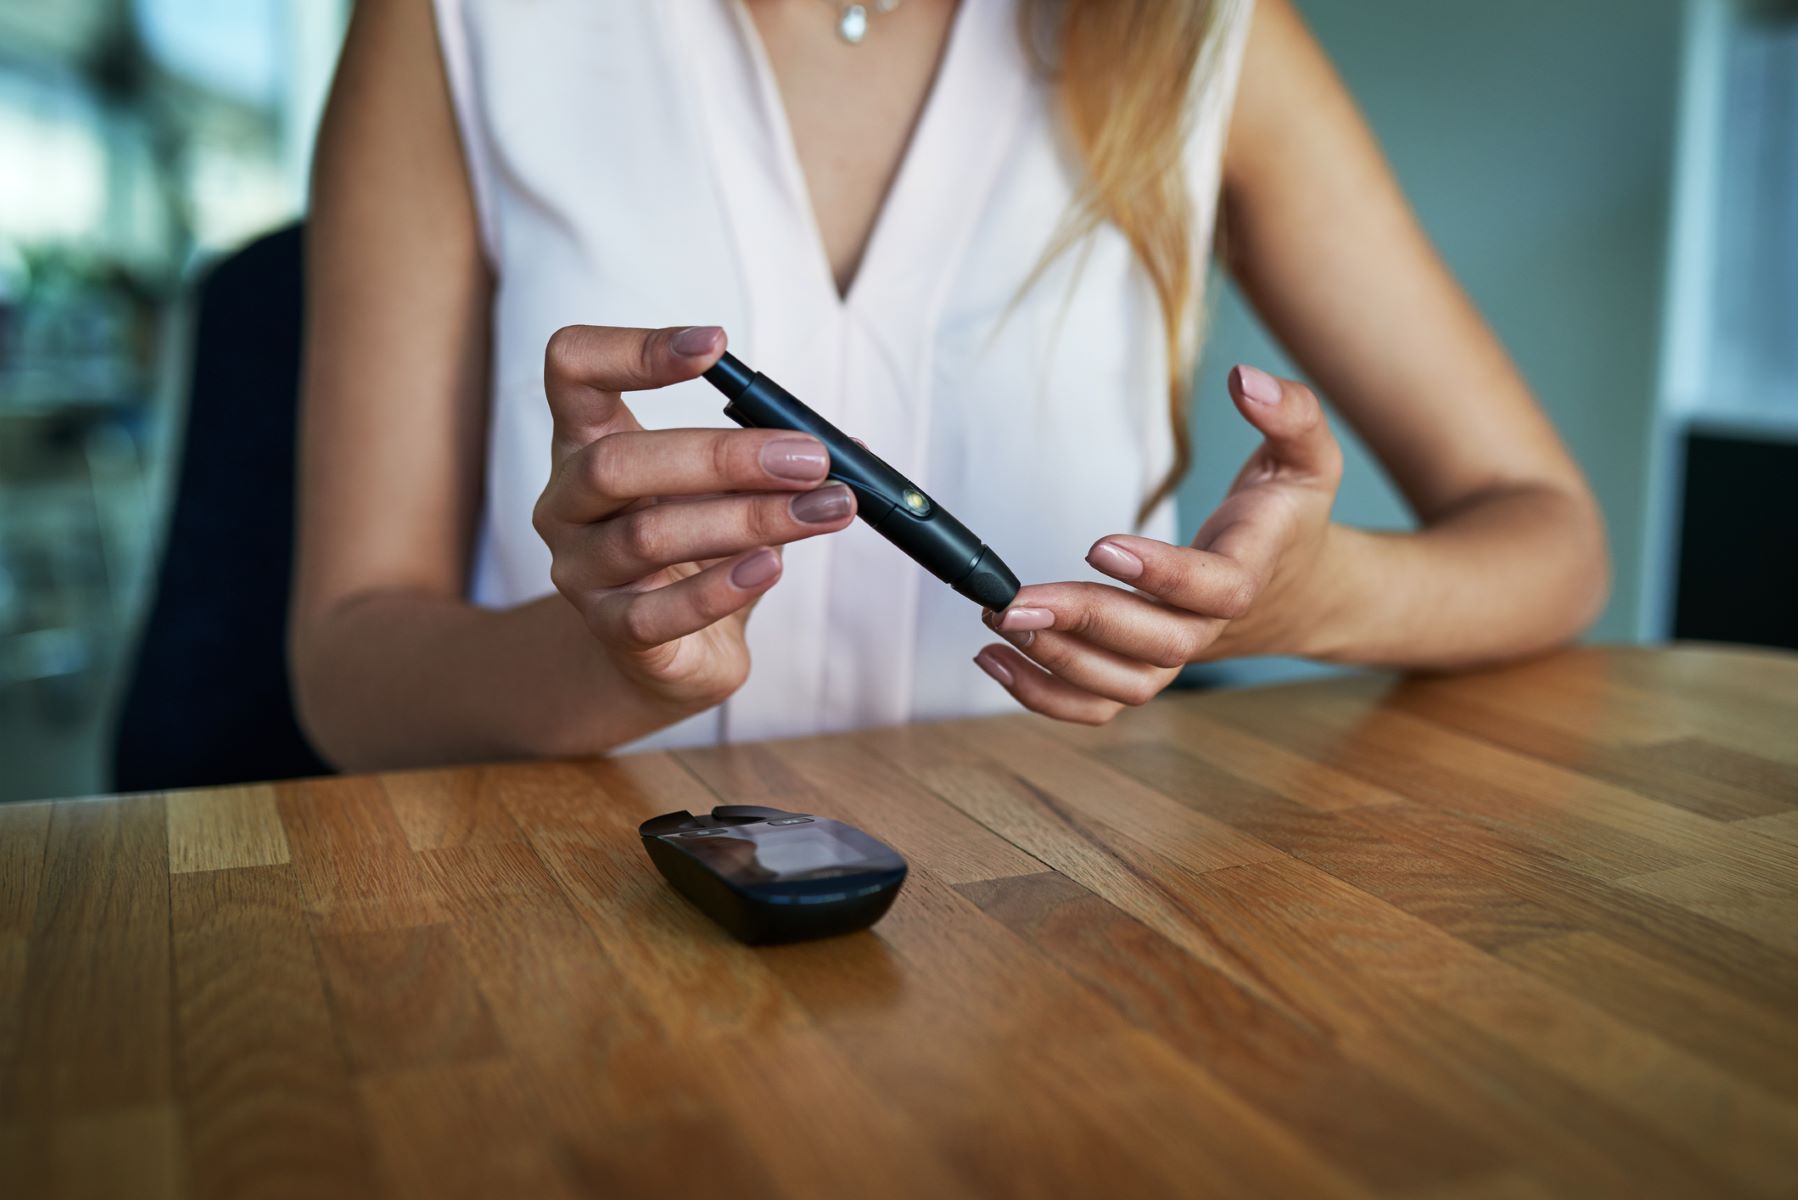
[(631, 164)]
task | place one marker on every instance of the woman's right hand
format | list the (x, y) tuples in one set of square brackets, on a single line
[(664, 540)]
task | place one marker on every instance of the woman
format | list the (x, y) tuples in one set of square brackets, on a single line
[(974, 240)]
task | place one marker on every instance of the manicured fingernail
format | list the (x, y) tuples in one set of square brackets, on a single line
[(795, 458), (994, 667), (1021, 640), (697, 341), (756, 570), (1258, 386), (823, 506), (1017, 620), (1114, 561)]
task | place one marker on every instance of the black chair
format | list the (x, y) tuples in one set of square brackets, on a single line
[(208, 700)]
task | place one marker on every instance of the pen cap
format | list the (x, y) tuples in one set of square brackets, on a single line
[(990, 584)]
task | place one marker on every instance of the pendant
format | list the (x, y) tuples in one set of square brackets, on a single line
[(852, 27)]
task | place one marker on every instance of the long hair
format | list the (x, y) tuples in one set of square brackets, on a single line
[(1124, 71)]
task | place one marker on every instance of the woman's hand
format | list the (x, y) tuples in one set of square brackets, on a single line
[(1252, 582), (664, 540)]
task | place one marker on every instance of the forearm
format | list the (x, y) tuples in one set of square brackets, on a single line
[(397, 679), (1506, 574)]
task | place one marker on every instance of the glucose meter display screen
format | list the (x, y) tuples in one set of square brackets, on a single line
[(753, 854)]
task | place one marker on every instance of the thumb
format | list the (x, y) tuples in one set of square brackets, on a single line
[(587, 367), (1289, 416)]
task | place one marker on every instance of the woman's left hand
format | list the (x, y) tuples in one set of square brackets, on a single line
[(1252, 582)]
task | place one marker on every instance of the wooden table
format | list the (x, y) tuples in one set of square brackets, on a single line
[(1527, 932)]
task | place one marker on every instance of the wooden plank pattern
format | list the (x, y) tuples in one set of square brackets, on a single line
[(1529, 932), (264, 1083), (95, 1016), (224, 827)]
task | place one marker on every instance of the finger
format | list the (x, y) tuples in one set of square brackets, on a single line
[(585, 367), (1122, 622), (1041, 692), (1289, 416), (1209, 582), (1255, 538), (1089, 668), (643, 541), (621, 468), (641, 620)]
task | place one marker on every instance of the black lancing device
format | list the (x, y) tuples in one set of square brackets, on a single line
[(897, 508), (768, 875)]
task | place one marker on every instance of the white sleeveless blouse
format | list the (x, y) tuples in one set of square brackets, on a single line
[(632, 165)]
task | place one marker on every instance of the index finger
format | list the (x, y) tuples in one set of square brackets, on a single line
[(1206, 582), (586, 367)]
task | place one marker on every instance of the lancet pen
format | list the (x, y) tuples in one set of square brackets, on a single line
[(897, 508)]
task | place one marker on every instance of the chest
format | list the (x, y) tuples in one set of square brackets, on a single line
[(852, 109)]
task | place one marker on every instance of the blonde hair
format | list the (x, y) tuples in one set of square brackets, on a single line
[(1124, 72)]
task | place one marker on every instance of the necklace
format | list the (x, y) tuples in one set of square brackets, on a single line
[(852, 19)]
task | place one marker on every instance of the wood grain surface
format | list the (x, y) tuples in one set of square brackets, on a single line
[(1527, 932)]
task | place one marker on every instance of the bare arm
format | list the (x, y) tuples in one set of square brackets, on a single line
[(391, 664), (1510, 557)]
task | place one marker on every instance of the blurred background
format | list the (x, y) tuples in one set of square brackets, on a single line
[(140, 140), (1616, 182)]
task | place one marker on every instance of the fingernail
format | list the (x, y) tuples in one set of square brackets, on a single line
[(1017, 620), (756, 570), (1115, 561), (993, 667), (823, 506), (697, 341), (1020, 640), (1258, 386), (795, 458)]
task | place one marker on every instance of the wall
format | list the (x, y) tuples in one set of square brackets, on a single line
[(1535, 140)]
